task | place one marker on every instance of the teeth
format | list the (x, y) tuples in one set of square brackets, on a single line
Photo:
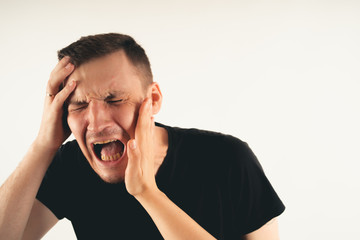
[(107, 141), (110, 158)]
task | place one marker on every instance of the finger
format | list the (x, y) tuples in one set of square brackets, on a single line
[(143, 125), (152, 126), (61, 97), (62, 63), (144, 135), (62, 70)]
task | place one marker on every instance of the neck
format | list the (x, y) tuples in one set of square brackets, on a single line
[(161, 146)]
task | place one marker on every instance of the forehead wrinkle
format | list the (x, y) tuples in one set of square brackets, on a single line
[(110, 95), (101, 97)]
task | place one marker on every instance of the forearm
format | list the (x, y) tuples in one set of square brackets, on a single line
[(172, 222), (18, 193)]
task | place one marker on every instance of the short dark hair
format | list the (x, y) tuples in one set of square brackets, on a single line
[(99, 45)]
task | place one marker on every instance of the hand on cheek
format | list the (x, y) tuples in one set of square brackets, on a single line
[(140, 173)]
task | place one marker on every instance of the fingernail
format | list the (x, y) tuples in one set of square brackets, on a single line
[(71, 83), (68, 66), (133, 144)]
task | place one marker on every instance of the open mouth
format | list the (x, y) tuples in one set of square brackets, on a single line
[(109, 150)]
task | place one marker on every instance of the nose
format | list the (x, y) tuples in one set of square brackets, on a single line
[(99, 116)]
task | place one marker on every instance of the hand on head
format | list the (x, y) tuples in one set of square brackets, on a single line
[(52, 132)]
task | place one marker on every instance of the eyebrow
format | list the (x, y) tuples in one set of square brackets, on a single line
[(109, 96)]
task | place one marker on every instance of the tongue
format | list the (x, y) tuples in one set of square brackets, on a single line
[(112, 148)]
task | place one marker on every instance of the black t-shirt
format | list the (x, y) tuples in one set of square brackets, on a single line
[(214, 178)]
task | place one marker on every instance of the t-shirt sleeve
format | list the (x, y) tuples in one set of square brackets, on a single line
[(256, 201), (51, 191)]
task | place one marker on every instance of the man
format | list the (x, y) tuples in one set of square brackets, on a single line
[(126, 177)]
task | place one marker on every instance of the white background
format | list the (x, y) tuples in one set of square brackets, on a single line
[(281, 75)]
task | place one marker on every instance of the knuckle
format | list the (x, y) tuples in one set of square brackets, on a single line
[(58, 74), (56, 100), (49, 87), (53, 73), (59, 98), (61, 74)]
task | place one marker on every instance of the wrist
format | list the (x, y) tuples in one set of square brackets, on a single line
[(43, 149), (149, 195), (44, 145)]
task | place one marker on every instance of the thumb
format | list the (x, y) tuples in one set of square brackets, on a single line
[(133, 155)]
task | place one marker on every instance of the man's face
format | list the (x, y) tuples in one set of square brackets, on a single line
[(103, 111)]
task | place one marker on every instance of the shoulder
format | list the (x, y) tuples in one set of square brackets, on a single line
[(69, 166), (67, 155), (69, 147), (212, 149), (196, 134), (213, 142)]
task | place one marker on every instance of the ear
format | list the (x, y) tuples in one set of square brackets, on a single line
[(156, 97)]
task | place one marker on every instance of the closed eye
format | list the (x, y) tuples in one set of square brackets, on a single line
[(115, 101), (76, 108)]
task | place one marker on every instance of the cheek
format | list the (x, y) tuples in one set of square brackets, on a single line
[(126, 117), (76, 125)]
